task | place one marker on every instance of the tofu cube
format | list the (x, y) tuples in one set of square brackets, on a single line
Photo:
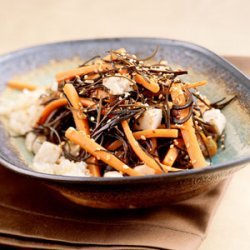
[(151, 119), (216, 118), (48, 153), (117, 85)]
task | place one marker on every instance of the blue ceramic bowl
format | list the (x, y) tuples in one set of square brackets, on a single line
[(223, 80)]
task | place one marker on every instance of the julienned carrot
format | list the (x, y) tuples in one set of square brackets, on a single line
[(114, 145), (98, 151), (144, 134), (92, 76), (49, 108), (195, 84), (80, 119), (86, 102), (149, 161), (171, 156), (156, 133), (173, 152), (21, 85), (81, 122), (187, 130), (95, 68), (93, 166), (150, 84)]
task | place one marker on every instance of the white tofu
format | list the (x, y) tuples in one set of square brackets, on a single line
[(70, 168), (38, 143), (29, 141), (151, 119), (62, 167), (48, 153), (216, 118), (113, 174), (117, 85), (144, 170), (34, 142)]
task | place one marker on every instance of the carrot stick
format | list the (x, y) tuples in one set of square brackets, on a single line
[(156, 133), (173, 152), (187, 130), (21, 85), (92, 76), (144, 134), (49, 108), (80, 121), (95, 68), (149, 161), (171, 156), (151, 85), (93, 166), (114, 145), (195, 84), (98, 151), (86, 102)]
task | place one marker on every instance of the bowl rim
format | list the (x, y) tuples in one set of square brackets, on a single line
[(130, 179)]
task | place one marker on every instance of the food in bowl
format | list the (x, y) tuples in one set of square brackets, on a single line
[(117, 116)]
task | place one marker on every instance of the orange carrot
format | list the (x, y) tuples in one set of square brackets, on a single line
[(80, 119), (195, 84), (21, 85), (95, 68), (49, 108), (144, 134), (173, 152), (148, 160), (86, 102), (151, 85), (171, 156), (92, 76), (187, 130), (114, 145), (98, 151), (156, 133)]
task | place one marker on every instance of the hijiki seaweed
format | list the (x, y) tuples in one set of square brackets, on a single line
[(107, 111)]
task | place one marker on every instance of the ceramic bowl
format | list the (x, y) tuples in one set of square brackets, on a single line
[(134, 192)]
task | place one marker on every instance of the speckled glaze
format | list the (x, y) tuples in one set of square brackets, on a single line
[(133, 192)]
